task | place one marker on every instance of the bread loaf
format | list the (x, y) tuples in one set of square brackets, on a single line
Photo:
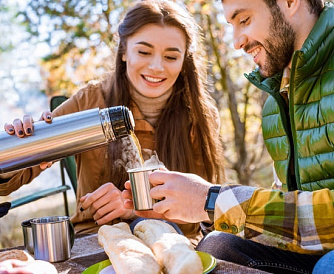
[(17, 261), (16, 254), (127, 253), (172, 250)]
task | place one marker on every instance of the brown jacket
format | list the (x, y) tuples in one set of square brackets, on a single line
[(93, 165)]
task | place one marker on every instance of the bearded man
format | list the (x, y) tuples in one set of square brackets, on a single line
[(292, 42)]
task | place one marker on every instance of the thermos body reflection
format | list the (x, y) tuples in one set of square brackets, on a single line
[(66, 135)]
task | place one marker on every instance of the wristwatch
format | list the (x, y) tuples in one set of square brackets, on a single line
[(211, 200)]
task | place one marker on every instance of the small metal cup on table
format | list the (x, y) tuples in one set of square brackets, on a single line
[(53, 238)]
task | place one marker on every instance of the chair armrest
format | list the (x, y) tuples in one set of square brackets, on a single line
[(39, 195)]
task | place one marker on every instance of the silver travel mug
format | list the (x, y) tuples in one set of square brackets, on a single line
[(53, 238), (140, 188), (66, 135)]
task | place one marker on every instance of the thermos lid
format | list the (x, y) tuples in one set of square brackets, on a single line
[(121, 120)]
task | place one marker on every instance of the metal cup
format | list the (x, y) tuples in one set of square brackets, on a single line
[(140, 187), (53, 238), (27, 236)]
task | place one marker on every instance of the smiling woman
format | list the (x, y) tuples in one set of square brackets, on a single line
[(160, 76), (153, 64)]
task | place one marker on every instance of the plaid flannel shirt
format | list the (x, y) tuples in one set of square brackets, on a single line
[(298, 221)]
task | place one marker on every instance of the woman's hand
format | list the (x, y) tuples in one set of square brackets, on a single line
[(105, 204), (25, 127)]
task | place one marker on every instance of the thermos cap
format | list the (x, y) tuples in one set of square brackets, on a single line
[(117, 122)]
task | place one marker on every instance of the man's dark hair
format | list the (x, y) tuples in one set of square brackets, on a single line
[(315, 6)]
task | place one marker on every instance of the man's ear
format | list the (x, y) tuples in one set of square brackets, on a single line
[(291, 6)]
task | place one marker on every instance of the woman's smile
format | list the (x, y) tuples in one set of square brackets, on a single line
[(153, 81)]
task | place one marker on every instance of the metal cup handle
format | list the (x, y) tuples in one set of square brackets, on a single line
[(72, 233)]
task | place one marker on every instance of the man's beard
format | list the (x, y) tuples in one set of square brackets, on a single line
[(279, 46)]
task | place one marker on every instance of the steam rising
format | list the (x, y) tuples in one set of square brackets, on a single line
[(131, 156)]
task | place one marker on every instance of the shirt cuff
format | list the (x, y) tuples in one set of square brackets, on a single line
[(207, 227)]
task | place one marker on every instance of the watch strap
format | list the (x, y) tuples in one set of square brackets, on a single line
[(211, 215)]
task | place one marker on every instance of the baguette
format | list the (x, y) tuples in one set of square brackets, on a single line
[(127, 253), (172, 250)]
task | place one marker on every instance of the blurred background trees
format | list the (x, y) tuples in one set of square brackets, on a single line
[(77, 39)]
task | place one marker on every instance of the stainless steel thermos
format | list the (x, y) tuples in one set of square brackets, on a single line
[(66, 135)]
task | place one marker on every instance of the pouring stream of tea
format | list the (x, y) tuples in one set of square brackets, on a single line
[(138, 147)]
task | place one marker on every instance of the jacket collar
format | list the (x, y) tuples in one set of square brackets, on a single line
[(321, 34), (140, 123)]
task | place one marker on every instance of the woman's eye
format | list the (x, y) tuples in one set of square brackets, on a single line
[(143, 52), (243, 22), (171, 58)]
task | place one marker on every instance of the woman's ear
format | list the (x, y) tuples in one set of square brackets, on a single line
[(123, 58)]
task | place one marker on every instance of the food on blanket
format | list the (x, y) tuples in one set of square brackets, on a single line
[(19, 261), (173, 251), (15, 254), (127, 253)]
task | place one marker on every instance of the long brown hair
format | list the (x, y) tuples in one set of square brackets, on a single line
[(190, 106)]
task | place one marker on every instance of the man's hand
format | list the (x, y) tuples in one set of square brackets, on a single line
[(182, 197), (128, 203)]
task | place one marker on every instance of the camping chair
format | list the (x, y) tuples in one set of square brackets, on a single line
[(67, 164)]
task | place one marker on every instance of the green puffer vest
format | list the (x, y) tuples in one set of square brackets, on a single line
[(308, 134)]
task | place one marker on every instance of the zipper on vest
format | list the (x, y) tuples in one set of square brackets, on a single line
[(296, 55)]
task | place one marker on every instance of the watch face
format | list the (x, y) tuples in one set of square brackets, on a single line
[(212, 200)]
